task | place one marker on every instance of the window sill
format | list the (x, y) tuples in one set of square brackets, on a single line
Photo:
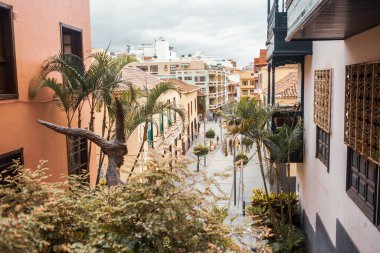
[(8, 96)]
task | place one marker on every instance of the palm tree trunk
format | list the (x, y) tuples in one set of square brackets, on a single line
[(289, 199), (279, 189), (140, 151), (91, 128), (101, 156), (271, 211)]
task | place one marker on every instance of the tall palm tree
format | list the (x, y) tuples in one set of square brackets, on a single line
[(148, 106), (281, 144), (253, 125)]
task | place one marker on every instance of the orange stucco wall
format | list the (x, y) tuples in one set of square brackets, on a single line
[(37, 36)]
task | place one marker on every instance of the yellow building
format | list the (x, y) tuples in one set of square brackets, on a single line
[(248, 84), (170, 135)]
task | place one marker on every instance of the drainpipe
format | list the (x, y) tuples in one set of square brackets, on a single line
[(273, 84), (269, 78)]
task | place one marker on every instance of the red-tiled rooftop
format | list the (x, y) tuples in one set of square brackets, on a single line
[(182, 85), (139, 78), (287, 87)]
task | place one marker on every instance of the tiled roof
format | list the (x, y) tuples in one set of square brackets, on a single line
[(287, 87), (138, 78), (182, 85)]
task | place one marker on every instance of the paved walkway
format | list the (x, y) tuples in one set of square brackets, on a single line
[(247, 179)]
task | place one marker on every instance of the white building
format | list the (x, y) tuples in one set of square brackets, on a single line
[(336, 46)]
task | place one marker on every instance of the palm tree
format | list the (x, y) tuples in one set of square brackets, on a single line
[(68, 92), (147, 107), (115, 149), (253, 125), (199, 151), (281, 144), (80, 85)]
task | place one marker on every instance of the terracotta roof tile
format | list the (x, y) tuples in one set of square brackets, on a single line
[(182, 85), (287, 87), (138, 78)]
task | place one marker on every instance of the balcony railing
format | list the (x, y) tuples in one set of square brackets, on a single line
[(298, 10)]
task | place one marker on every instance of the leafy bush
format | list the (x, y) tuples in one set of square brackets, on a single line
[(157, 211), (289, 238), (258, 209), (243, 157), (210, 134)]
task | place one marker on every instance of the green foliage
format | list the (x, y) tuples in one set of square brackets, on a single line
[(243, 157), (158, 211), (259, 207), (288, 238), (210, 134), (246, 143), (200, 150)]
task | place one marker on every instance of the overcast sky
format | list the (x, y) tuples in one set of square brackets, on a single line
[(224, 28)]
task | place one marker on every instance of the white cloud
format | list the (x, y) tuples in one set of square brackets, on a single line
[(228, 29)]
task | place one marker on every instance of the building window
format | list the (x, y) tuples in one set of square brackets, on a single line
[(8, 80), (180, 78), (245, 83), (252, 92), (154, 68), (188, 78), (143, 68), (6, 161), (363, 185), (323, 146), (362, 109), (173, 68), (245, 92), (166, 68), (71, 40), (77, 155), (322, 101)]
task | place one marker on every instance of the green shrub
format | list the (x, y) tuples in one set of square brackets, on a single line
[(288, 238), (157, 211)]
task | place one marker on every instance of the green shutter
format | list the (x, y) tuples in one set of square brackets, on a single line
[(162, 124)]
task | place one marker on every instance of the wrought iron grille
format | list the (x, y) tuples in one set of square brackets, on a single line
[(362, 109), (322, 99)]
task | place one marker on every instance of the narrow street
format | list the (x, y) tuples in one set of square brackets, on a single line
[(250, 178)]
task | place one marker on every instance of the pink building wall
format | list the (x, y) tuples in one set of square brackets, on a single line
[(37, 36)]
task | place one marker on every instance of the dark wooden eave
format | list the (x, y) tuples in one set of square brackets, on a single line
[(336, 20)]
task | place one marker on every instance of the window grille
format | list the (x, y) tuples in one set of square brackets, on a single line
[(363, 185), (362, 109), (322, 99), (323, 146), (77, 155), (6, 161)]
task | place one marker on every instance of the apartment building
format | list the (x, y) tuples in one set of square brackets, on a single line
[(29, 34), (211, 81), (335, 46), (170, 135), (248, 84)]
